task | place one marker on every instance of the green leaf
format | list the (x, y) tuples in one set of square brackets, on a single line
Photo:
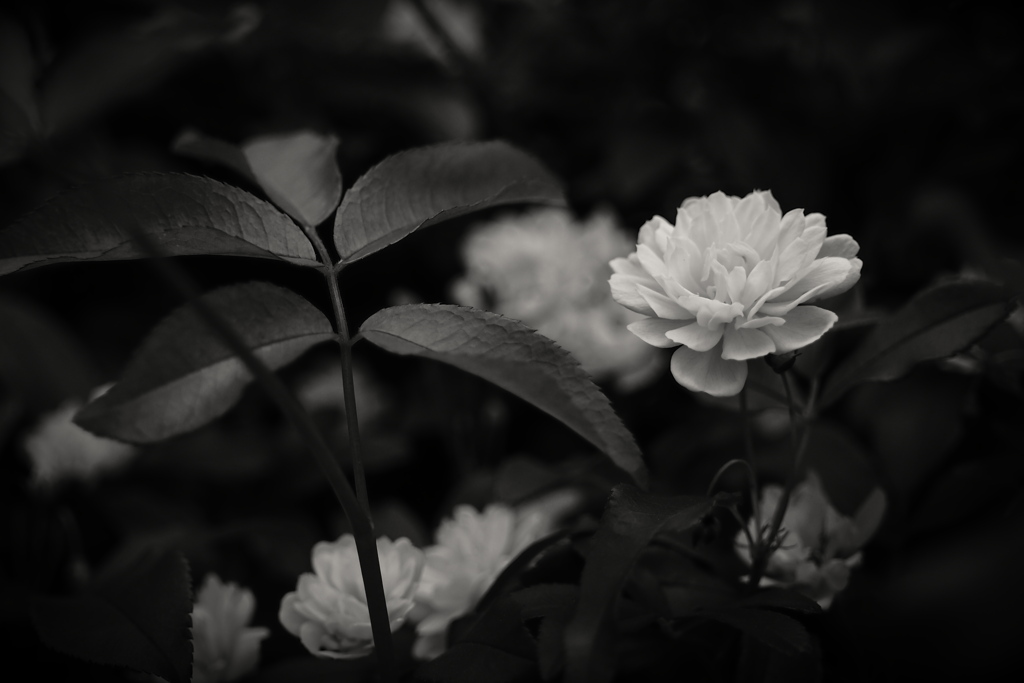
[(298, 171), (937, 323), (183, 376), (423, 186), (630, 521), (517, 359), (135, 615), (184, 215)]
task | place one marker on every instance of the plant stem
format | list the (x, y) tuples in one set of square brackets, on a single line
[(748, 450), (767, 547), (362, 528), (355, 443)]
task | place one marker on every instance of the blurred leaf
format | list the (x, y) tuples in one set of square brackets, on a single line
[(777, 631), (183, 376), (420, 187), (781, 599), (39, 360), (510, 575), (298, 171), (630, 521), (517, 359), (935, 324), (118, 64), (135, 615), (495, 648), (316, 670), (192, 143), (184, 215), (19, 115), (967, 490)]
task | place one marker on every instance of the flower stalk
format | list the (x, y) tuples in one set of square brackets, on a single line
[(768, 542)]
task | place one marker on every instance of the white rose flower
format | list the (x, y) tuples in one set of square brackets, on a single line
[(726, 284), (328, 611), (224, 647), (472, 549), (59, 449), (819, 545), (549, 270)]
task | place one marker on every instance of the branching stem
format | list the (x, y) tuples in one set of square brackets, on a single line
[(362, 528)]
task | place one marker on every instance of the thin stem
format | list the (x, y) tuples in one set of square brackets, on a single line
[(799, 444), (362, 529), (748, 450), (355, 443), (722, 470)]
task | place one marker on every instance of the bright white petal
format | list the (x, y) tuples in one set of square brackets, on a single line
[(624, 291), (746, 343), (652, 331), (804, 325), (663, 306), (708, 372), (842, 246), (695, 336), (830, 271)]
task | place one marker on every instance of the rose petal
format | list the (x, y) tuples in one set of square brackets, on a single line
[(842, 246), (708, 372), (663, 306), (830, 271), (652, 331), (696, 336), (624, 291), (804, 325), (746, 343)]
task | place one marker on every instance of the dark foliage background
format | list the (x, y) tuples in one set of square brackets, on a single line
[(902, 122)]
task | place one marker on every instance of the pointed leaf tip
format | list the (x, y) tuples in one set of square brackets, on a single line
[(183, 215), (517, 359), (423, 186)]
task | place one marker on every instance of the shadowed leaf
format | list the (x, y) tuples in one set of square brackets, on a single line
[(135, 615), (630, 521), (427, 185), (183, 376), (517, 359), (935, 324), (182, 214)]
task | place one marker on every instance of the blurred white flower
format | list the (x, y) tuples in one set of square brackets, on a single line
[(819, 546), (224, 647), (550, 271), (59, 449), (328, 611), (471, 551), (322, 389), (725, 284)]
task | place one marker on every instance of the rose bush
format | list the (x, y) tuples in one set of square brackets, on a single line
[(730, 281), (819, 546), (224, 646), (328, 610)]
